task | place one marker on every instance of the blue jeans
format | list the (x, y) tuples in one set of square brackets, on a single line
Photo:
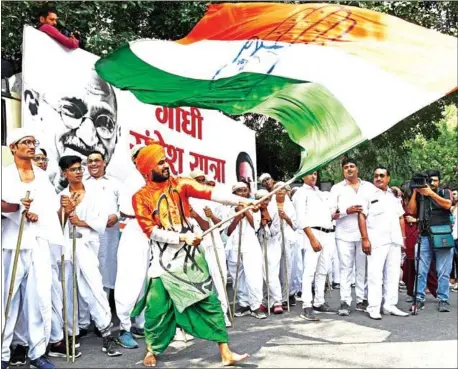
[(443, 269)]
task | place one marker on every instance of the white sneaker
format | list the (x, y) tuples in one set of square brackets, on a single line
[(393, 310), (375, 315), (182, 336)]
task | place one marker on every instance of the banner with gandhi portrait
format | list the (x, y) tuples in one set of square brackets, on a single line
[(74, 112)]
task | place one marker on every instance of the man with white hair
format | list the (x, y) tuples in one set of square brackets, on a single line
[(33, 279), (241, 233), (199, 213), (133, 259)]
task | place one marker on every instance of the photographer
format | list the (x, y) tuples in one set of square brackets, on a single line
[(48, 23), (437, 205)]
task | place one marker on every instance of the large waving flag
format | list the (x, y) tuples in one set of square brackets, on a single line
[(333, 75)]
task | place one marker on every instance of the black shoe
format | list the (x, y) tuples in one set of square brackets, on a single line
[(299, 294), (362, 306), (58, 350), (242, 311), (109, 346), (19, 355), (70, 340), (344, 309), (336, 286), (420, 306), (353, 285), (308, 314), (292, 300), (324, 309), (444, 306), (83, 333)]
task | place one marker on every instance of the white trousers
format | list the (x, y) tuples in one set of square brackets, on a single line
[(33, 283), (108, 256), (334, 270), (383, 276), (90, 288), (288, 256), (297, 269), (220, 284), (274, 254), (316, 265), (133, 261), (350, 255), (249, 287)]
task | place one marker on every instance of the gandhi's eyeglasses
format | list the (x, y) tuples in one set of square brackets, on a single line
[(30, 143)]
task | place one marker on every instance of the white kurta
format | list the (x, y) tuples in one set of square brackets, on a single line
[(33, 277), (250, 281), (109, 240), (383, 265), (133, 257), (90, 288), (348, 239)]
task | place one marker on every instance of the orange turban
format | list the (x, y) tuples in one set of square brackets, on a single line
[(149, 156)]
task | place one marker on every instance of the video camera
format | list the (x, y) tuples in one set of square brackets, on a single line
[(68, 33), (419, 180)]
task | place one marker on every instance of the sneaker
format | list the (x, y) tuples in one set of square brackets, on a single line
[(455, 288), (324, 309), (344, 309), (292, 300), (284, 306), (242, 311), (18, 356), (70, 340), (263, 308), (375, 315), (5, 364), (444, 306), (58, 350), (393, 310), (362, 306), (42, 363), (109, 347), (308, 314), (353, 285), (83, 333), (420, 306), (137, 332), (278, 309), (258, 314), (336, 286), (299, 294), (126, 340)]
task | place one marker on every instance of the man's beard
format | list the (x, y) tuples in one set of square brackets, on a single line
[(160, 177)]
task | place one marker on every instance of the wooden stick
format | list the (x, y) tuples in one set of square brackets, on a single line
[(239, 258), (266, 262), (285, 262), (16, 259)]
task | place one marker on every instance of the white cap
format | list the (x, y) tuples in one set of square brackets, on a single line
[(278, 184), (260, 194), (18, 133), (196, 173), (264, 176), (135, 149), (238, 186)]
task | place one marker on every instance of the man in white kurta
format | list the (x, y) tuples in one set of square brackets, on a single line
[(88, 221), (350, 195), (315, 219), (249, 286), (109, 240), (33, 277), (133, 261), (382, 238), (198, 207)]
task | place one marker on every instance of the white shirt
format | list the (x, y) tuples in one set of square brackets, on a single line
[(45, 204), (111, 189), (313, 208), (345, 196), (383, 211), (130, 186)]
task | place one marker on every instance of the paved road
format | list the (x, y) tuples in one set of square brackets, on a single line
[(427, 340)]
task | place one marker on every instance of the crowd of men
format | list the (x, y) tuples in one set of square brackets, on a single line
[(293, 245)]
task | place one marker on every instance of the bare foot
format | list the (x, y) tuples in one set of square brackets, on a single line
[(233, 358), (149, 360)]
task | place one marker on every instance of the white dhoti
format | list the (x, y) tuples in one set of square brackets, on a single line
[(274, 255), (316, 266), (108, 256), (351, 254), (32, 282), (383, 276), (133, 262), (289, 252)]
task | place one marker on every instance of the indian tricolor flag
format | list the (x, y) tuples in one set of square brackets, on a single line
[(333, 75)]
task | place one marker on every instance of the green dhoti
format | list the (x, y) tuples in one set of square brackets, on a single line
[(204, 319)]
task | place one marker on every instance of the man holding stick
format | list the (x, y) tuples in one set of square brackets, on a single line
[(179, 287), (25, 248)]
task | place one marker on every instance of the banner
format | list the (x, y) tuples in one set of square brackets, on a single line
[(75, 112)]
